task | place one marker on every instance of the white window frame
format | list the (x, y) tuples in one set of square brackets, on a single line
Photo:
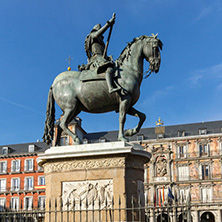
[(66, 141), (3, 169), (209, 171), (15, 169), (27, 168), (183, 194), (41, 202), (3, 188), (31, 148), (2, 203), (39, 180), (13, 187), (30, 203), (5, 148), (183, 172), (207, 153), (185, 149), (14, 203), (208, 195), (26, 185)]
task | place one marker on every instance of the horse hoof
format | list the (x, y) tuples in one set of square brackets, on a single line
[(128, 132)]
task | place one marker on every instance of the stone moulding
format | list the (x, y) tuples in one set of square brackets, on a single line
[(66, 165)]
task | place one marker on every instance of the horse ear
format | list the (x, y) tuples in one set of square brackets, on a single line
[(160, 44)]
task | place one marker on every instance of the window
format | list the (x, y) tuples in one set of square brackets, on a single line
[(41, 202), (5, 150), (31, 148), (160, 136), (15, 203), (205, 172), (15, 184), (28, 203), (202, 131), (204, 149), (206, 194), (140, 137), (29, 183), (2, 203), (40, 168), (182, 151), (102, 140), (15, 166), (2, 185), (3, 166), (85, 141), (181, 133), (183, 173), (64, 141), (41, 180), (29, 165), (183, 194)]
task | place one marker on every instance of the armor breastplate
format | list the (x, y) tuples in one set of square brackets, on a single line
[(97, 49)]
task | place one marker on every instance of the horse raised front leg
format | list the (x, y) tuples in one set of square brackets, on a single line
[(123, 108), (133, 112), (69, 114)]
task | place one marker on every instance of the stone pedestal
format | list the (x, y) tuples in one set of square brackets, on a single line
[(93, 173)]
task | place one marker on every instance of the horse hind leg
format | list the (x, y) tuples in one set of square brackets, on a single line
[(142, 117), (69, 114)]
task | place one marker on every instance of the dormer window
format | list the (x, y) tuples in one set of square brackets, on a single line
[(202, 131), (181, 133), (5, 150), (85, 141), (32, 148), (102, 140), (160, 136), (140, 137)]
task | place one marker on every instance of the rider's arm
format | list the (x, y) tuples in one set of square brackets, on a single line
[(105, 27)]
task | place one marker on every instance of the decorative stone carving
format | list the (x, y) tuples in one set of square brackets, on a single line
[(87, 192), (73, 164), (161, 166)]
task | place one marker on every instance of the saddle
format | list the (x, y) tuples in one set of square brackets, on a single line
[(91, 75)]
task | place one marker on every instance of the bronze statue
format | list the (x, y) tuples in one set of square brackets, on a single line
[(96, 51), (88, 91)]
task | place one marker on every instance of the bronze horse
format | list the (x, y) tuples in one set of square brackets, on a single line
[(74, 95)]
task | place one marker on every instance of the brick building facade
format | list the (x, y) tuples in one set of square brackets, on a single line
[(22, 182)]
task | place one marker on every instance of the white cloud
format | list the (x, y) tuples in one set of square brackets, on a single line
[(212, 73), (19, 105), (204, 12)]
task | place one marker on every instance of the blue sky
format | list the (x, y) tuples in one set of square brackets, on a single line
[(38, 36)]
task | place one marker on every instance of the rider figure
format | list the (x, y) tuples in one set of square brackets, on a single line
[(95, 50)]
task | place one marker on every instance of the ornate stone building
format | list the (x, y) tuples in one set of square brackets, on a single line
[(187, 161)]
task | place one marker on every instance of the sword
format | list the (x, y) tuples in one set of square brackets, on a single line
[(107, 42)]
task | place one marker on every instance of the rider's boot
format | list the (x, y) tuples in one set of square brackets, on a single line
[(109, 81)]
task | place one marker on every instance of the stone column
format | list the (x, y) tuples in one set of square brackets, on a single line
[(96, 173)]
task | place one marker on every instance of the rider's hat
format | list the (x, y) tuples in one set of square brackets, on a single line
[(96, 27)]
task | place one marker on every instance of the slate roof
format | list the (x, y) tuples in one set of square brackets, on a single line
[(192, 129), (22, 148)]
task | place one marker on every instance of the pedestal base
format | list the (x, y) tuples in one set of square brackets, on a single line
[(94, 175)]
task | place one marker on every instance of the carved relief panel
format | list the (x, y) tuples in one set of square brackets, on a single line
[(87, 191)]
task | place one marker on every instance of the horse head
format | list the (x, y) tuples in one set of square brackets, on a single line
[(151, 52)]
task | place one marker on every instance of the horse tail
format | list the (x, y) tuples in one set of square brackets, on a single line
[(50, 119)]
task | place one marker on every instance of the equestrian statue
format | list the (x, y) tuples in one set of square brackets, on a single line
[(103, 85)]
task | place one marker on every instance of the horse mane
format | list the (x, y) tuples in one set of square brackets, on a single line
[(126, 52)]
